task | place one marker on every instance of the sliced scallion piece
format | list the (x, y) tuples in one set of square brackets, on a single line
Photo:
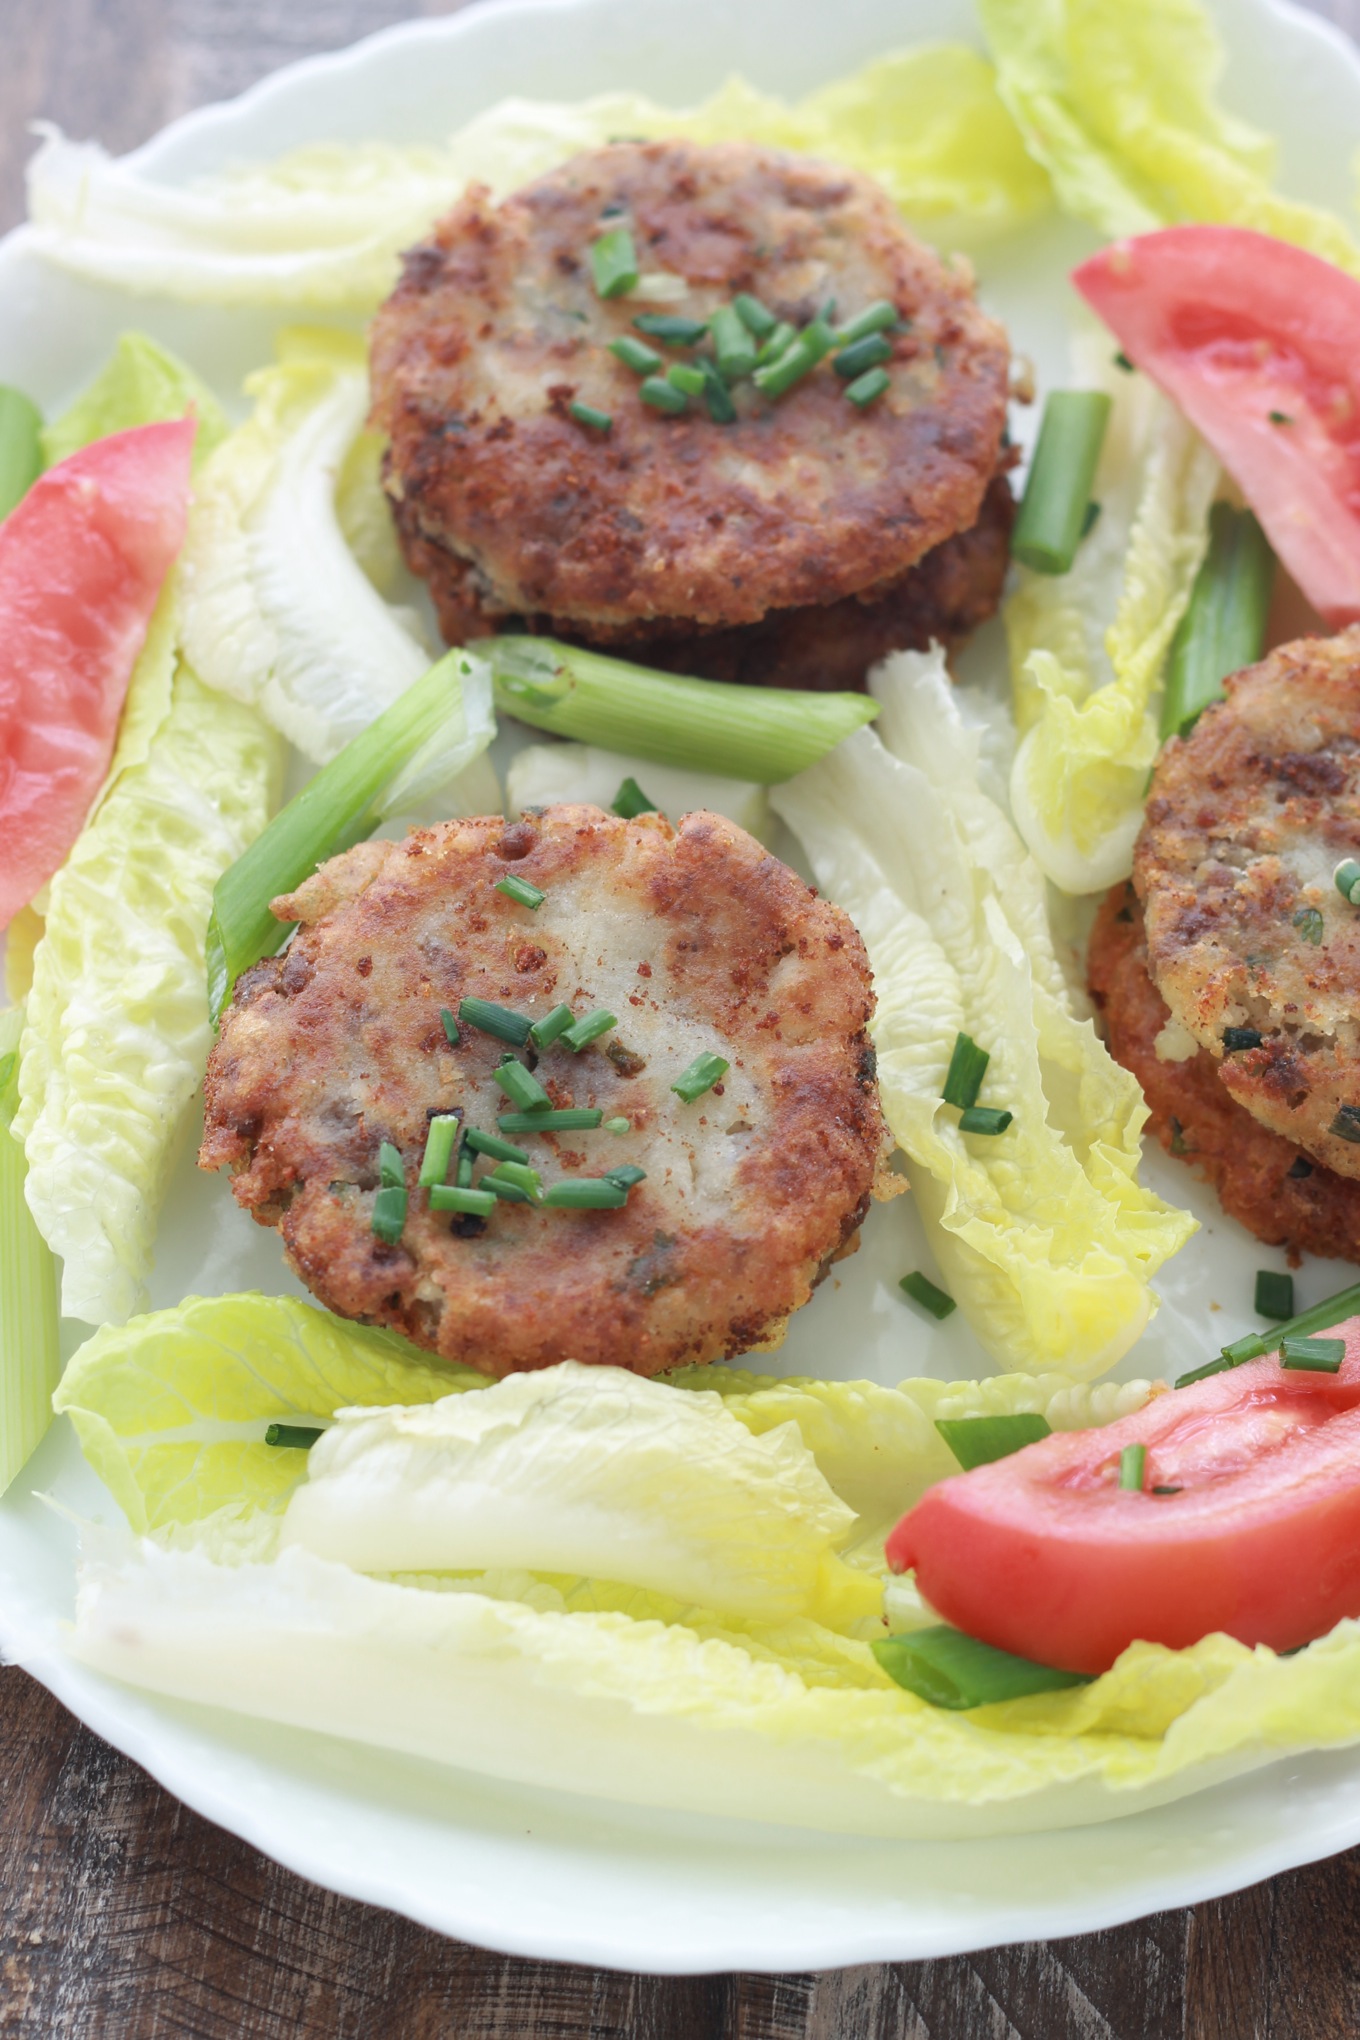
[(545, 1031), (866, 389), (587, 414), (756, 317), (762, 733), (948, 1669), (878, 317), (861, 355), (776, 343), (988, 1119), (626, 1175), (519, 889), (453, 1197), (450, 1026), (619, 1125), (663, 396), (672, 329), (687, 377), (522, 1087), (1333, 1310), (799, 358), (614, 263), (733, 346), (519, 1175), (635, 354), (1346, 879), (922, 1290), (389, 1213), (1317, 1356), (499, 1021), (1219, 1366), (439, 1141), (300, 1437), (20, 447), (1223, 628), (30, 1353), (967, 1067), (491, 1144), (463, 1175), (1133, 1468), (587, 1029), (630, 801), (718, 402), (977, 1441), (703, 1073), (586, 1193), (1274, 1297), (1048, 527), (558, 1119), (391, 1168)]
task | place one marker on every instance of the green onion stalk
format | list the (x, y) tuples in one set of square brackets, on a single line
[(1224, 627), (30, 1359), (948, 1669), (765, 734), (1052, 517)]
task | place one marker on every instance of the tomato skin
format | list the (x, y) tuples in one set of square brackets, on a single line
[(1042, 1554), (82, 560), (1235, 325)]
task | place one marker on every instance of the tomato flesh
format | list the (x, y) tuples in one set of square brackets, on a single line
[(1043, 1553), (82, 560), (1258, 342)]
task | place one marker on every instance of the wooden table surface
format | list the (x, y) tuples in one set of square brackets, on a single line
[(123, 1914)]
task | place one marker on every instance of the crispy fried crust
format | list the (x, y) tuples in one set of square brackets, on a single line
[(1266, 1183), (1247, 819), (514, 510), (698, 940)]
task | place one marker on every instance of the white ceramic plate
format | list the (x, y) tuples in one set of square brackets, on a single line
[(552, 1874)]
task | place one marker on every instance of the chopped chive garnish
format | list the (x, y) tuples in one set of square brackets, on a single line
[(519, 1175), (686, 377), (586, 414), (967, 1068), (545, 1031), (672, 329), (799, 358), (626, 1175), (864, 354), (520, 890), (721, 409), (495, 1020), (491, 1144), (635, 354), (630, 801), (450, 1027), (587, 1029), (1223, 629), (613, 263), (776, 343), (301, 1437), (1317, 1356), (1274, 1294), (1310, 925), (1132, 1466), (663, 396), (1219, 1366), (1121, 360), (984, 1119), (922, 1290), (733, 347), (560, 1119), (1236, 1040), (948, 1669), (1279, 417), (619, 1125), (875, 318), (867, 389), (391, 1168), (1048, 527), (1333, 1310), (756, 317), (586, 1193), (434, 1163), (1166, 1491), (508, 1193), (522, 1087), (463, 1173), (977, 1441), (1091, 519), (453, 1197), (389, 1213), (1346, 879), (703, 1073), (1346, 1124)]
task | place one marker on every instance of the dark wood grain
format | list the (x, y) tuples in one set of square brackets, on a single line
[(123, 1914)]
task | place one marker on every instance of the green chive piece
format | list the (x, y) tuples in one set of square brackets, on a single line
[(626, 1175), (733, 347), (389, 1213), (630, 801), (686, 377), (560, 1119), (20, 447), (672, 329), (507, 1193), (544, 1032), (614, 264), (519, 1175), (663, 396), (1132, 1467), (463, 1173), (776, 343), (453, 1197), (491, 1144), (635, 354), (1167, 1491), (984, 1119), (520, 890), (878, 317), (1317, 1356), (1274, 1294), (1091, 519), (799, 358), (756, 317), (1219, 1366), (1279, 417), (948, 1669), (434, 1163), (301, 1437), (703, 1073), (1333, 1310), (867, 389), (721, 409), (1121, 360), (522, 1088), (967, 1068), (1224, 627), (1048, 527), (582, 1032), (1346, 879), (977, 1441), (495, 1020), (864, 354), (619, 1125), (450, 1025), (586, 414), (391, 1168), (1310, 925), (586, 1193), (922, 1290)]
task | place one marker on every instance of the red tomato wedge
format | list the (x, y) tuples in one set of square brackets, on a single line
[(1043, 1554), (82, 560), (1258, 343)]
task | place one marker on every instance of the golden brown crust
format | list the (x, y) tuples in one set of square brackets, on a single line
[(1247, 819), (697, 939), (495, 329), (1266, 1183)]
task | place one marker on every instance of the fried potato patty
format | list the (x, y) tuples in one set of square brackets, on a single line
[(698, 941), (513, 510), (1265, 1182), (1249, 942)]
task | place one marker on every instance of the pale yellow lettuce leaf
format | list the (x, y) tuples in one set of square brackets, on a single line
[(142, 384)]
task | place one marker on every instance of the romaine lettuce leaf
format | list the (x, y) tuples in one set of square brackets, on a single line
[(1045, 1237), (1118, 103), (543, 773), (324, 225), (143, 384), (30, 1353)]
